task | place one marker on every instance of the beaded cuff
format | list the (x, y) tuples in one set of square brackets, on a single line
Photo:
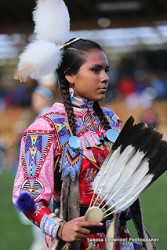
[(50, 225)]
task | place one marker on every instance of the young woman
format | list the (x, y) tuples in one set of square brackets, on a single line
[(62, 151)]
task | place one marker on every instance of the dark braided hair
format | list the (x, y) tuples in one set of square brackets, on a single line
[(99, 112), (73, 58)]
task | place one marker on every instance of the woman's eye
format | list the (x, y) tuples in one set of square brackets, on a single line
[(96, 70)]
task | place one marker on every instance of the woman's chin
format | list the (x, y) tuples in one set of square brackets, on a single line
[(96, 98), (100, 98)]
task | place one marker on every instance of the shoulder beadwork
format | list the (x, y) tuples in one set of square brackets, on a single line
[(59, 122), (113, 119)]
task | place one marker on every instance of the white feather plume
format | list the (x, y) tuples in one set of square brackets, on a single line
[(42, 57), (52, 21), (38, 59)]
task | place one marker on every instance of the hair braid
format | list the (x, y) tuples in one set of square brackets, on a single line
[(99, 112), (64, 91)]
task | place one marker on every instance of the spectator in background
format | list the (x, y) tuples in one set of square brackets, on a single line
[(126, 86), (159, 84), (43, 95), (150, 117)]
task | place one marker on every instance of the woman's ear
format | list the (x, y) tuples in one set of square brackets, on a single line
[(70, 78)]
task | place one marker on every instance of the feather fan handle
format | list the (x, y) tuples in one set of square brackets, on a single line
[(52, 21)]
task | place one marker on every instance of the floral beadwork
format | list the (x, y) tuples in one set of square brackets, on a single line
[(90, 174)]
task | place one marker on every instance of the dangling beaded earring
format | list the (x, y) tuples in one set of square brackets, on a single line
[(71, 92)]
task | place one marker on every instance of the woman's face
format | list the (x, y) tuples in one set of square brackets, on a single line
[(91, 81)]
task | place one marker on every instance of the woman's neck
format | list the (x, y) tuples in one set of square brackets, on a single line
[(81, 102)]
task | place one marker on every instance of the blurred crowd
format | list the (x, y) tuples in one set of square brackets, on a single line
[(138, 73), (19, 106)]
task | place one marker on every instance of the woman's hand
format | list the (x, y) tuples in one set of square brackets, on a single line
[(75, 229)]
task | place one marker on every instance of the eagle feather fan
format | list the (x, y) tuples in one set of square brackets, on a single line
[(129, 169)]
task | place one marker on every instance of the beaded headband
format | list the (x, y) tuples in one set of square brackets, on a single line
[(68, 43), (43, 55)]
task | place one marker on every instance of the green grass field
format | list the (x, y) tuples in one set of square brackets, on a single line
[(16, 236), (13, 234)]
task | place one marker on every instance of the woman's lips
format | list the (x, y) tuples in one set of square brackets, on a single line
[(103, 90)]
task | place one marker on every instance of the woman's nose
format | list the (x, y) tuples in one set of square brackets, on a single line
[(104, 77)]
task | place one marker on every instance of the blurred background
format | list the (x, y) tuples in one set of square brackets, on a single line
[(134, 36)]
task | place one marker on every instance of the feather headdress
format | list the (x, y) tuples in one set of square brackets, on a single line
[(43, 55), (138, 158)]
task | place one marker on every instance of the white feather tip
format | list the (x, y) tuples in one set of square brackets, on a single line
[(38, 59), (52, 21)]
